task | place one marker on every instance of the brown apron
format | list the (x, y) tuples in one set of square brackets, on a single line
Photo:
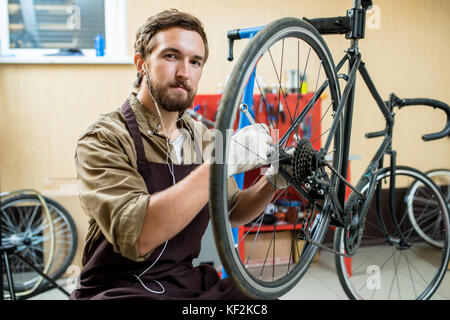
[(109, 275)]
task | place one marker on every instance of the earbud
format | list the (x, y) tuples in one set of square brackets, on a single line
[(144, 69)]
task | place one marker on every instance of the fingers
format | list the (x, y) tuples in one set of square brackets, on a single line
[(271, 153), (264, 127), (251, 147), (261, 128)]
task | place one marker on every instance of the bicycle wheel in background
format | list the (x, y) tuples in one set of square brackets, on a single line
[(441, 177), (385, 267), (25, 224), (273, 260), (416, 197)]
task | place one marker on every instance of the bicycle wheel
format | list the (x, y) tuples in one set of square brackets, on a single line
[(274, 260), (441, 177), (416, 195), (391, 264), (24, 224)]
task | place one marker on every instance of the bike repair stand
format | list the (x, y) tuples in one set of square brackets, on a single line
[(6, 251)]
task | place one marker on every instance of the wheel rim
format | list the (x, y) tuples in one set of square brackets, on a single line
[(442, 180), (418, 201)]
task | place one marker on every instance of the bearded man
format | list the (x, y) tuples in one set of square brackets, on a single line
[(144, 181)]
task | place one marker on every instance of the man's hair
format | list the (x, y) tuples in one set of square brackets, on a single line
[(164, 20)]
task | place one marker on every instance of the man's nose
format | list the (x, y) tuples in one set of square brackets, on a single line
[(183, 70)]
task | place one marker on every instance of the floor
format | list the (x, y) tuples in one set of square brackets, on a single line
[(319, 283)]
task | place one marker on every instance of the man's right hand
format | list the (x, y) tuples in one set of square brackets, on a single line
[(250, 148)]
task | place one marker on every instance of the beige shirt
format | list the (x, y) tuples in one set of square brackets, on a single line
[(112, 192)]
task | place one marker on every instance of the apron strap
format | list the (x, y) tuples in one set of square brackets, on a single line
[(198, 153), (133, 128)]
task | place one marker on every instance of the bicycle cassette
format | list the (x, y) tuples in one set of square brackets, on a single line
[(304, 160)]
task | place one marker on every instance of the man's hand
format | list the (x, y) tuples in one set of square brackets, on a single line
[(249, 149), (275, 177)]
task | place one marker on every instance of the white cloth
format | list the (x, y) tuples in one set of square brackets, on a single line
[(250, 148)]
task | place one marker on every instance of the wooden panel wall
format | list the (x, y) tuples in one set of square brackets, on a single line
[(44, 108)]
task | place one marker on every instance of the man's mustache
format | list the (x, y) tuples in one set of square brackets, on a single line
[(182, 84)]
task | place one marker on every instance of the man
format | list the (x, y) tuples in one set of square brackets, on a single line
[(143, 179)]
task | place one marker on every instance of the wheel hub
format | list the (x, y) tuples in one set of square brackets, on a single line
[(26, 241)]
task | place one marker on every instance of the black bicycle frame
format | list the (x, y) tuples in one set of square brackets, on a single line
[(369, 176), (353, 26), (345, 108)]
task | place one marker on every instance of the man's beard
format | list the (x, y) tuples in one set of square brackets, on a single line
[(175, 102)]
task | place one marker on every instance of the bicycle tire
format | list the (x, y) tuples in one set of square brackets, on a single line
[(384, 275), (441, 177), (281, 30), (32, 242)]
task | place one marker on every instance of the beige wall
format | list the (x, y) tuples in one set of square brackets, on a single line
[(44, 108)]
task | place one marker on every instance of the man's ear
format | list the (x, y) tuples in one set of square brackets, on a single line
[(138, 62)]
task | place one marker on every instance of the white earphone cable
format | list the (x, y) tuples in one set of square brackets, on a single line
[(171, 170), (154, 262)]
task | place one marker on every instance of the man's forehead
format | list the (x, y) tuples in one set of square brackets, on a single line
[(182, 39)]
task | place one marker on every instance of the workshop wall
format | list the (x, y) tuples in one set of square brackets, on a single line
[(44, 108)]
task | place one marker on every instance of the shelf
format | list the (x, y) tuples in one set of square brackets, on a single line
[(65, 60), (266, 228)]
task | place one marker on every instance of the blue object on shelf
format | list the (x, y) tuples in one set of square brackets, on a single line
[(99, 44)]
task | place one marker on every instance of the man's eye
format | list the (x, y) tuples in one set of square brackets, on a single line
[(196, 63), (170, 56)]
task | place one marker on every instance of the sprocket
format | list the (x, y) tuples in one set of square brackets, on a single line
[(304, 160)]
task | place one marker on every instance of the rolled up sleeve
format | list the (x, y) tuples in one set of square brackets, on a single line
[(111, 189)]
